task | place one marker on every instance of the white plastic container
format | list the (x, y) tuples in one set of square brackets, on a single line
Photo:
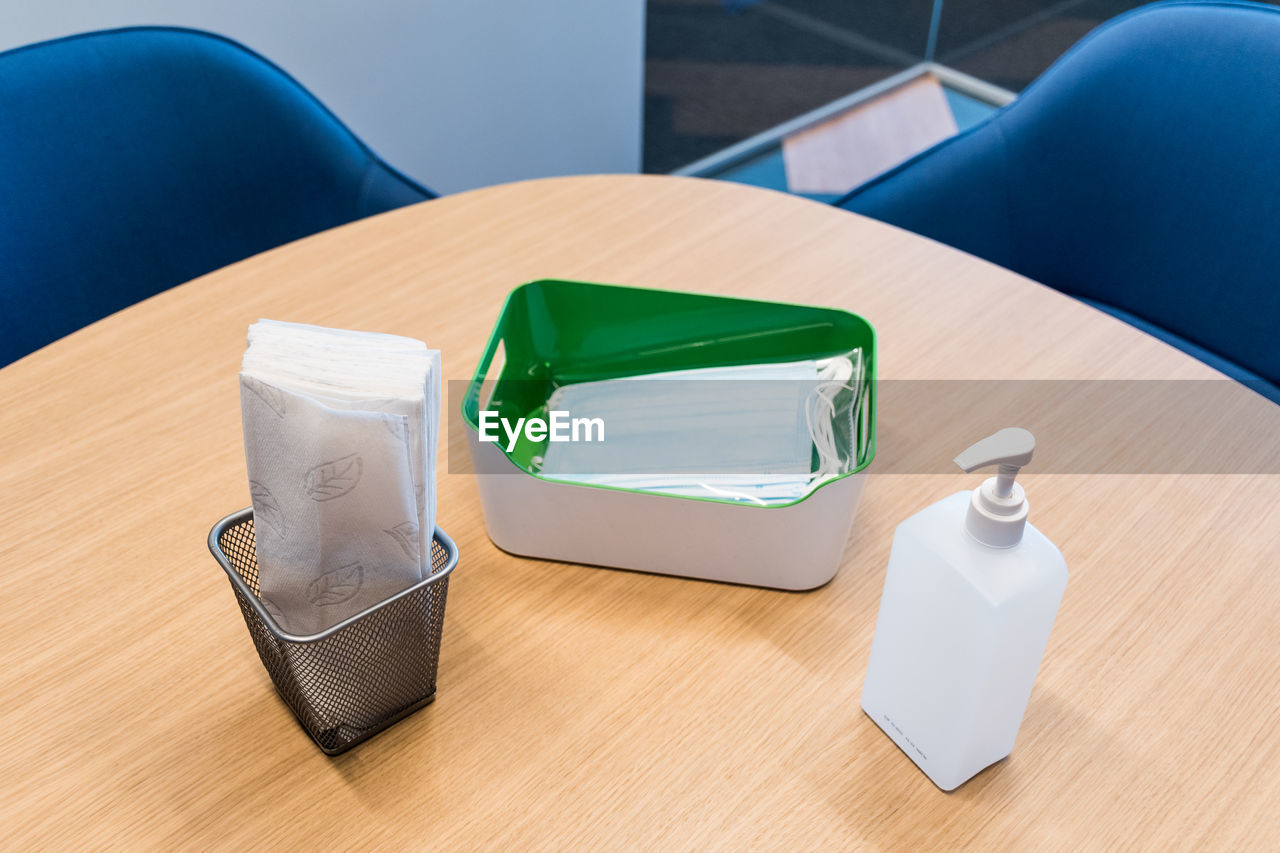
[(970, 596), (549, 330)]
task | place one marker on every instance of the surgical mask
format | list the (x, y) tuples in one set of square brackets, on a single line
[(755, 433)]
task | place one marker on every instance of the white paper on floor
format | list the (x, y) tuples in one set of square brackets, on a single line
[(855, 146)]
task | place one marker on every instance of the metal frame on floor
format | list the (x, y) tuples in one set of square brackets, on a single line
[(748, 148)]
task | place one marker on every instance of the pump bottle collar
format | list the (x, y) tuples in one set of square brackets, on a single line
[(998, 509)]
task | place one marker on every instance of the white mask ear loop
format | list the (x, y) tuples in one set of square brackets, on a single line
[(820, 411)]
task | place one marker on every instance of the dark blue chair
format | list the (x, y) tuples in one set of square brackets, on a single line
[(133, 160), (1141, 174)]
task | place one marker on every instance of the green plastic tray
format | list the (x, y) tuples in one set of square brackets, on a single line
[(553, 332), (558, 332)]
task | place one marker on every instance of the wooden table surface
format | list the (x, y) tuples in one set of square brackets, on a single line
[(589, 708)]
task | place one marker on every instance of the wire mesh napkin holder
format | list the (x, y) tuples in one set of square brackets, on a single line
[(351, 681)]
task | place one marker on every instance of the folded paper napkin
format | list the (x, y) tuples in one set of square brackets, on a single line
[(340, 432)]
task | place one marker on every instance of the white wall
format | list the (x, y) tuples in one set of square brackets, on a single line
[(456, 93)]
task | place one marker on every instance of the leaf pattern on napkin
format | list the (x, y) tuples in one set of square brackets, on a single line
[(274, 612), (397, 425), (266, 508), (336, 586), (330, 480), (268, 394), (406, 535)]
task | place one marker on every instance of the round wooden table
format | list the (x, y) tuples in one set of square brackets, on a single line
[(590, 708)]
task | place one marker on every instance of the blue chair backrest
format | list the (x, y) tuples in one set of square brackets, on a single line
[(134, 160), (1141, 173)]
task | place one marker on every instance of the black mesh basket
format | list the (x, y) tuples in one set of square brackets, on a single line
[(351, 681)]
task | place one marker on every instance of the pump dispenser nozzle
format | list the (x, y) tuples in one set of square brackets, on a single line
[(998, 510)]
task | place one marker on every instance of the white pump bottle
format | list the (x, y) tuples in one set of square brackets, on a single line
[(969, 599)]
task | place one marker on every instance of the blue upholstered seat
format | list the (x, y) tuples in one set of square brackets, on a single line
[(134, 160), (1140, 173)]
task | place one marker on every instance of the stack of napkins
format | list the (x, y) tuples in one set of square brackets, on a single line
[(340, 432)]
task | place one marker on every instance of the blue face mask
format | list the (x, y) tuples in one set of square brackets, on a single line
[(757, 433)]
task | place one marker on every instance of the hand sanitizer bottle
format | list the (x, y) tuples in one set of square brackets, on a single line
[(969, 598)]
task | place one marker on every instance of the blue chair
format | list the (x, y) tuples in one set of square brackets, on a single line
[(136, 159), (1139, 174)]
